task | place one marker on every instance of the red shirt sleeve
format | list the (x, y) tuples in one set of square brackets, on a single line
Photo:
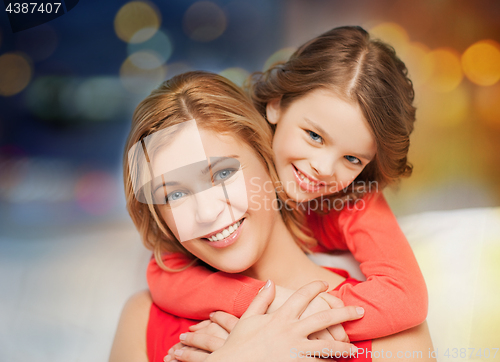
[(394, 295), (196, 292)]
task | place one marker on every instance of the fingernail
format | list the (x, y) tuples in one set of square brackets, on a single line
[(354, 349), (325, 283), (211, 314), (179, 352), (166, 358), (268, 283), (360, 310), (182, 337)]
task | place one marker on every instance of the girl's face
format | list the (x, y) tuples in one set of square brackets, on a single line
[(228, 245), (321, 144)]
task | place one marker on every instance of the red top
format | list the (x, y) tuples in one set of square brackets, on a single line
[(394, 295), (164, 329)]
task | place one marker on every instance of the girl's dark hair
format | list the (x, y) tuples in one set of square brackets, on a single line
[(358, 69)]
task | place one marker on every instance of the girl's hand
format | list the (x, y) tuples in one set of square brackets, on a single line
[(322, 302), (281, 335), (205, 337)]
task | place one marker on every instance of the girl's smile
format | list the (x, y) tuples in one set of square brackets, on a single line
[(321, 144)]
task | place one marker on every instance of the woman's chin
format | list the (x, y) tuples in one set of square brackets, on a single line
[(232, 269)]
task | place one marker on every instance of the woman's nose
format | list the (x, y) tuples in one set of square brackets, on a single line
[(210, 204)]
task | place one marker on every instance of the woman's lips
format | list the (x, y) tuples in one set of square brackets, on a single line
[(306, 182), (227, 240)]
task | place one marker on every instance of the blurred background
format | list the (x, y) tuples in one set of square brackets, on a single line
[(68, 89)]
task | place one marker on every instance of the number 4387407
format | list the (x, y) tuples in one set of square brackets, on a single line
[(471, 352), (25, 8)]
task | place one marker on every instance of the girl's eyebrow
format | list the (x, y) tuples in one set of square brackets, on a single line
[(323, 134)]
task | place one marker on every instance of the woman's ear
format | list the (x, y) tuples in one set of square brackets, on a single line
[(273, 111)]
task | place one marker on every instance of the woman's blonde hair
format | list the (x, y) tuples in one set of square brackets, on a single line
[(217, 105), (358, 69)]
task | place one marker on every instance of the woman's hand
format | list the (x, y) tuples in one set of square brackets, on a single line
[(282, 335)]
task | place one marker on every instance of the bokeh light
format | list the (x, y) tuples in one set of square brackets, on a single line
[(96, 192), (99, 99), (27, 180), (420, 65), (481, 62), (38, 43), (445, 109), (204, 21), (486, 101), (146, 59), (236, 75), (15, 73), (137, 21), (142, 80), (51, 98), (446, 70), (393, 34), (159, 45), (280, 56)]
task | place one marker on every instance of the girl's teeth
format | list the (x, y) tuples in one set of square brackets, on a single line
[(226, 232), (305, 179)]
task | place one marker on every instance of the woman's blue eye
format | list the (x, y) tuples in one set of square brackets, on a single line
[(315, 137), (174, 196), (353, 160), (223, 174)]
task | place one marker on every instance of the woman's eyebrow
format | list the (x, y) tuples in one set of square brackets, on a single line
[(163, 184), (323, 134), (219, 159)]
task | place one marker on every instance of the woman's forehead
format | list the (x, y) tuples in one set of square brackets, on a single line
[(174, 147)]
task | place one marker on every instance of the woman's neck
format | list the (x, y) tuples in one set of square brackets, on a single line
[(283, 261)]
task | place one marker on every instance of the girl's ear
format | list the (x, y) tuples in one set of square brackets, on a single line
[(273, 111)]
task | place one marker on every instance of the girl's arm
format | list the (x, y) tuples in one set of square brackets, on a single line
[(197, 291), (394, 295)]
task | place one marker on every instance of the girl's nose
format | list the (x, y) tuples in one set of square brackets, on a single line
[(323, 168)]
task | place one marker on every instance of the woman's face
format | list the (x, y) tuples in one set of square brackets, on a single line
[(235, 218), (321, 144)]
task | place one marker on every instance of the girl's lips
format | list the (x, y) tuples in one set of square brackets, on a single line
[(304, 185), (228, 240)]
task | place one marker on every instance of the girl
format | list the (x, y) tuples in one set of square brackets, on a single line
[(215, 116), (341, 110)]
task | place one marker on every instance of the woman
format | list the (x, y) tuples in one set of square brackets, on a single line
[(165, 210)]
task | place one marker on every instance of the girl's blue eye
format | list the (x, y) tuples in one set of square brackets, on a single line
[(176, 195), (223, 175), (315, 137), (353, 160)]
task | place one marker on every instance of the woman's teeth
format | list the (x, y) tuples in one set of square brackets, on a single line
[(226, 232), (306, 179)]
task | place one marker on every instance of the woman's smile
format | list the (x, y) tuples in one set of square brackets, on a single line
[(226, 236)]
